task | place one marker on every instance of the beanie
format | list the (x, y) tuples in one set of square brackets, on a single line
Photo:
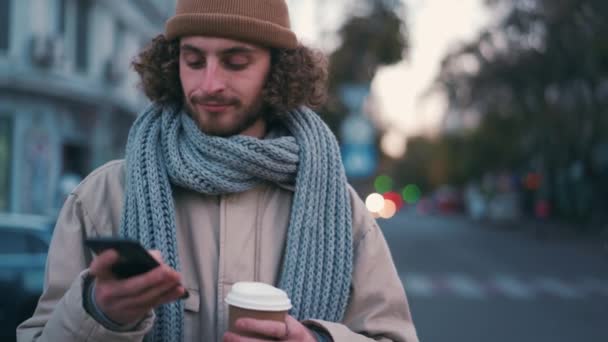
[(263, 22)]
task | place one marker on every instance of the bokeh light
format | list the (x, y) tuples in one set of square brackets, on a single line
[(396, 198), (533, 181), (393, 144), (388, 210), (411, 194), (374, 202), (383, 184)]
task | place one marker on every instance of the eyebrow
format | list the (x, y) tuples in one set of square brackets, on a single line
[(229, 51)]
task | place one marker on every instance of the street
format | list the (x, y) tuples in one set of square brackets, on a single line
[(468, 282)]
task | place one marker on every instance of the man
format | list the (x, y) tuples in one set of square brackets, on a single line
[(228, 177)]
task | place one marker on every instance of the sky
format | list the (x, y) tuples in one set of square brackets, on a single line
[(435, 26)]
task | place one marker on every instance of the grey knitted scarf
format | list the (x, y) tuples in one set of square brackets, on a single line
[(165, 148)]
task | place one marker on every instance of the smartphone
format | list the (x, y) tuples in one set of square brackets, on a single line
[(133, 259)]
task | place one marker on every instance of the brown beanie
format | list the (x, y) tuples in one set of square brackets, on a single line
[(264, 22)]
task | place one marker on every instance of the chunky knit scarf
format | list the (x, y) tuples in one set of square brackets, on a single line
[(166, 147)]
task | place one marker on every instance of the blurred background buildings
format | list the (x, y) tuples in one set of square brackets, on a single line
[(67, 94)]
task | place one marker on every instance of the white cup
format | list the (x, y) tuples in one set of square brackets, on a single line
[(256, 300)]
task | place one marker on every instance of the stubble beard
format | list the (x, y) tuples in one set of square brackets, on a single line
[(245, 118)]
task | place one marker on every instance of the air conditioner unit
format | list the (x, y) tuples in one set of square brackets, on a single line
[(114, 70), (45, 50)]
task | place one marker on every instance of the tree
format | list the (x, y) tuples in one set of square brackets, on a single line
[(544, 70), (369, 40)]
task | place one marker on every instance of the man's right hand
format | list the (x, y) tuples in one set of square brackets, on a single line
[(127, 301)]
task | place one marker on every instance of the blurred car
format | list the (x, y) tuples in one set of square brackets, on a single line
[(448, 200), (505, 207), (24, 244)]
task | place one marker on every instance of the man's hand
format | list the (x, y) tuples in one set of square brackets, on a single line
[(126, 301), (291, 330)]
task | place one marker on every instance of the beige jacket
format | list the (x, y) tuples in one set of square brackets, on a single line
[(222, 240)]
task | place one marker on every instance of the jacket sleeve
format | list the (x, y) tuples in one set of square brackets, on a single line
[(60, 314), (378, 309)]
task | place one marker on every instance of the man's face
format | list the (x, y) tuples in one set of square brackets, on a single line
[(222, 80)]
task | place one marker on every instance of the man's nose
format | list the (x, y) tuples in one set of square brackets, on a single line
[(214, 79)]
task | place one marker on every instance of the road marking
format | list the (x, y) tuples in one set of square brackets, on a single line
[(512, 287), (418, 284), (558, 288), (464, 286), (460, 285)]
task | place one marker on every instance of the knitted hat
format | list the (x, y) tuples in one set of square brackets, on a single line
[(264, 22)]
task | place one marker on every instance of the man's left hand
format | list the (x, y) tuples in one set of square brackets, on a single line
[(291, 330)]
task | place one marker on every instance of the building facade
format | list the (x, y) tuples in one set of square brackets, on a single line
[(67, 93)]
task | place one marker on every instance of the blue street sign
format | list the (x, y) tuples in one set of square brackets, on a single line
[(357, 133), (360, 160), (353, 96), (357, 129)]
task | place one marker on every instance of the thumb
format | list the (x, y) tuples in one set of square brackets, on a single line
[(157, 255), (101, 267)]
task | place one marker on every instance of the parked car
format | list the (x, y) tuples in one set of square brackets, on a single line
[(448, 200), (24, 244)]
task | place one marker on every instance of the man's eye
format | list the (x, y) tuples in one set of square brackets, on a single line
[(195, 63), (237, 62)]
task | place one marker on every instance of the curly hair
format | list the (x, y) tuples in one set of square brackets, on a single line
[(297, 76)]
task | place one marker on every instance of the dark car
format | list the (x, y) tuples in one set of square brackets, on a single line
[(24, 243)]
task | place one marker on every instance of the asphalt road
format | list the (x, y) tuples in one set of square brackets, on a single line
[(470, 282)]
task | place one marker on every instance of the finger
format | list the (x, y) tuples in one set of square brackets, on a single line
[(263, 327), (101, 266), (162, 277), (156, 296), (142, 303), (169, 296), (232, 337), (152, 278), (291, 321), (295, 328)]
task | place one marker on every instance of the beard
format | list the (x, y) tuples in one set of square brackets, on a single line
[(236, 119)]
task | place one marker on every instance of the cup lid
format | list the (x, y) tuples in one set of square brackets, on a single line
[(258, 296)]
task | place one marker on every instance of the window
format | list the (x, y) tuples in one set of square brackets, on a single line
[(75, 159), (82, 34), (119, 36), (62, 17), (5, 24), (6, 137)]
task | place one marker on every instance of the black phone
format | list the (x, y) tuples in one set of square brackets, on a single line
[(133, 259)]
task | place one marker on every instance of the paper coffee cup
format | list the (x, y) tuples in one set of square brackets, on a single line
[(256, 300)]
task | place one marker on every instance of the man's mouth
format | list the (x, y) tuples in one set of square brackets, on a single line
[(215, 106)]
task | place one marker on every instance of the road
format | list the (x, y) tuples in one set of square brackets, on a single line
[(468, 282)]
